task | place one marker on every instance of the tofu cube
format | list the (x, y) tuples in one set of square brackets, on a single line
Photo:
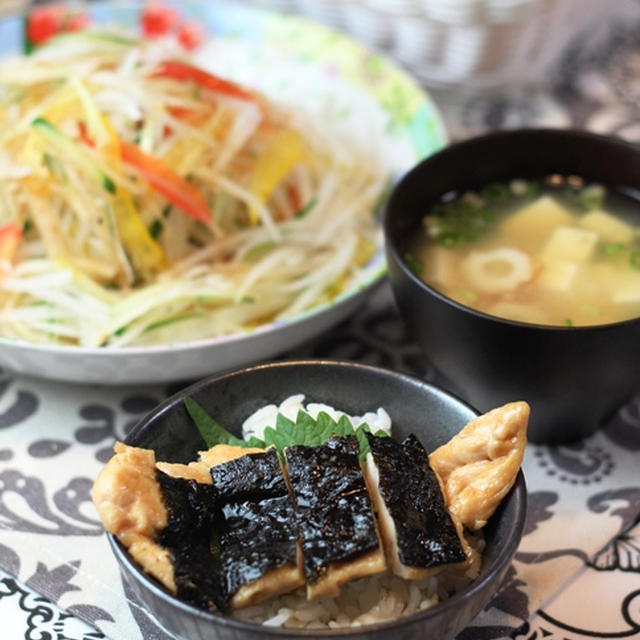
[(626, 289), (570, 244), (532, 225), (604, 274), (558, 276), (608, 227)]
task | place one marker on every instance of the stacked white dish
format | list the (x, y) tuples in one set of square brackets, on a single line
[(478, 44)]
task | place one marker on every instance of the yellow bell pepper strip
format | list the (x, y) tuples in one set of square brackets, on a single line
[(167, 182), (181, 71), (144, 252), (10, 235), (282, 153)]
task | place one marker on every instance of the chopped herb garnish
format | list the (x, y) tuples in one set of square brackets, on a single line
[(495, 192), (413, 263), (533, 189), (634, 259), (568, 322), (448, 239), (591, 197), (166, 211), (468, 296), (614, 248), (27, 225)]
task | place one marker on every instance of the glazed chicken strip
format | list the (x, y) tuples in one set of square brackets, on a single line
[(335, 520), (418, 533), (130, 504), (162, 513), (257, 540), (479, 465)]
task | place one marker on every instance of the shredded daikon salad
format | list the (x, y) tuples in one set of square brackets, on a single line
[(144, 200)]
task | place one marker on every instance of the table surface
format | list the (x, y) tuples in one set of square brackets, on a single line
[(577, 572)]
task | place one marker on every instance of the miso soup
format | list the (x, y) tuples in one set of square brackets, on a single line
[(553, 251)]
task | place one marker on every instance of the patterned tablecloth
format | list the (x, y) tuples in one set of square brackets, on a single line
[(577, 572)]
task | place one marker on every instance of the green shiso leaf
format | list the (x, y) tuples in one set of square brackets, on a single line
[(305, 431), (212, 432)]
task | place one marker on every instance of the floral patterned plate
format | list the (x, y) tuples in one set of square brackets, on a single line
[(295, 60)]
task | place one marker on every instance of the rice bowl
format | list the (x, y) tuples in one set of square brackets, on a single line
[(341, 384)]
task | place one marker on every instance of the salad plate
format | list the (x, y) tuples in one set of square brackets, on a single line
[(287, 58)]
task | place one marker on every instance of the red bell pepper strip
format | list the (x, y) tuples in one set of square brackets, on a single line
[(10, 235), (167, 182), (182, 71)]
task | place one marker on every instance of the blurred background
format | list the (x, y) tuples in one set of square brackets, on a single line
[(500, 63)]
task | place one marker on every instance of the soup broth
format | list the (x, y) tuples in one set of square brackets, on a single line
[(554, 251)]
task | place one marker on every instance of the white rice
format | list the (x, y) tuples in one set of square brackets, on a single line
[(364, 601), (367, 600)]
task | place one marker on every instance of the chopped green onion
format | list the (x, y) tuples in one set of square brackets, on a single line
[(592, 197), (495, 192), (413, 263), (568, 322), (613, 248), (468, 296), (533, 189), (448, 239)]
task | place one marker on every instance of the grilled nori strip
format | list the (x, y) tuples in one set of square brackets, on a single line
[(333, 510), (258, 530), (425, 535), (192, 511)]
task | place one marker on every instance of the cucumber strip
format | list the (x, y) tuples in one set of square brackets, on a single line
[(69, 148)]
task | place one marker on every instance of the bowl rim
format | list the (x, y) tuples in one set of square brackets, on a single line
[(459, 147), (502, 560)]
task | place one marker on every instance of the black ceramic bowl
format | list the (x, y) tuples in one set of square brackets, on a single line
[(414, 406), (574, 378)]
